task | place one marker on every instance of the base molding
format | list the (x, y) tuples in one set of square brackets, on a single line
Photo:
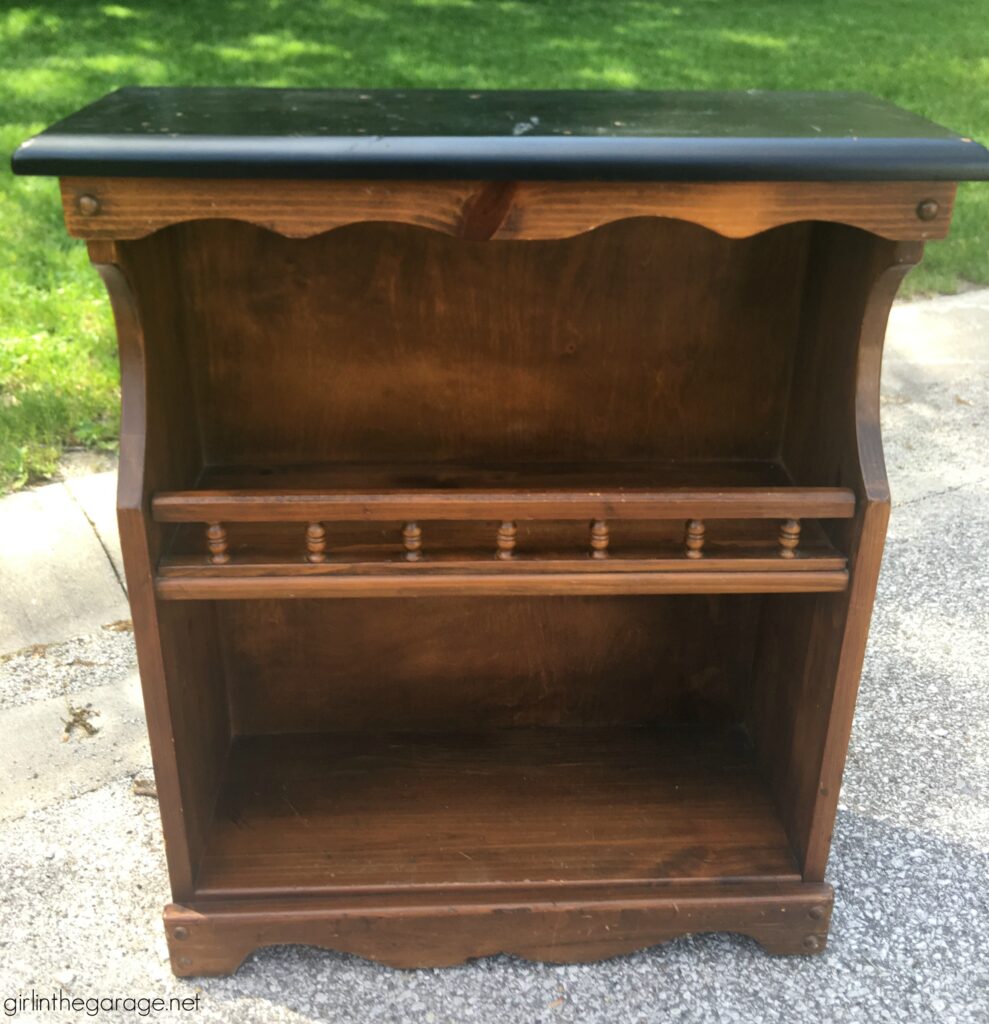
[(446, 927)]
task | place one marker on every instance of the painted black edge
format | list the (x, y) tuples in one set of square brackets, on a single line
[(498, 158)]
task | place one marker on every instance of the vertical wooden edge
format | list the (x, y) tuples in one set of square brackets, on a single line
[(900, 259), (139, 559), (106, 259), (865, 558)]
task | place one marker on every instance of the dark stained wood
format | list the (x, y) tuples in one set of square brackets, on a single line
[(214, 937), (581, 351), (176, 646), (458, 663), (135, 207), (595, 471), (520, 476), (807, 671), (467, 582), (348, 811), (301, 506)]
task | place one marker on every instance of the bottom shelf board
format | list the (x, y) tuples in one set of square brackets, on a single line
[(513, 807)]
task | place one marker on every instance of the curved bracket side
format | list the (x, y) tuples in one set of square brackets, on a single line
[(901, 259), (105, 258), (139, 557)]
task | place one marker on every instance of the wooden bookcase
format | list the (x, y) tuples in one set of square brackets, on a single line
[(501, 510)]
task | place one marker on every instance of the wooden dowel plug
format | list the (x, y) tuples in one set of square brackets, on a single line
[(507, 535), (216, 538), (789, 538), (315, 542), (412, 539), (599, 539)]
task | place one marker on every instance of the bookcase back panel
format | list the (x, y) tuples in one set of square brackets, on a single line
[(450, 663), (382, 342)]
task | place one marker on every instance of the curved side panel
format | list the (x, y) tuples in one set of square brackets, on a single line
[(812, 648), (181, 672), (893, 263), (865, 541), (139, 558), (129, 208)]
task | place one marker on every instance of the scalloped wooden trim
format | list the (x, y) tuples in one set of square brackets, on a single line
[(559, 925), (127, 208)]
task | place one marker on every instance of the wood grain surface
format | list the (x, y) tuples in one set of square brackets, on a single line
[(603, 513), (134, 207), (342, 811), (214, 937)]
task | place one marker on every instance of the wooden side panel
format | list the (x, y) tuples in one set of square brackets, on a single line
[(449, 663), (390, 344), (160, 449), (192, 653), (812, 647)]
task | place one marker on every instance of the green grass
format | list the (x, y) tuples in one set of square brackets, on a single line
[(58, 382)]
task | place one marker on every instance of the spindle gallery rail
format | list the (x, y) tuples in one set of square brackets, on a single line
[(310, 565)]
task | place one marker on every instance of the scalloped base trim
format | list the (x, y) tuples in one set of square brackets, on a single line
[(444, 928)]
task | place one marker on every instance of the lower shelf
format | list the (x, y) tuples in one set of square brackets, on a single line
[(507, 810)]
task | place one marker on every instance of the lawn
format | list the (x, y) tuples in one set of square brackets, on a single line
[(58, 376)]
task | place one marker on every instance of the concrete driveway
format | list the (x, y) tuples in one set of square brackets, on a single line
[(82, 873)]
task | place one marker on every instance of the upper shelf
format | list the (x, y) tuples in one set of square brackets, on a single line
[(453, 134)]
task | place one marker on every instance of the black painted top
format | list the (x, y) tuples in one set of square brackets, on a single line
[(645, 136)]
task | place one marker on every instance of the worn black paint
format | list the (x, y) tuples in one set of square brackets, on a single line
[(315, 133)]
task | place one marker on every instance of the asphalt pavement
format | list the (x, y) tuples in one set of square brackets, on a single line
[(82, 873)]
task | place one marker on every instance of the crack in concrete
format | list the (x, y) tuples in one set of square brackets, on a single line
[(931, 494), (99, 540)]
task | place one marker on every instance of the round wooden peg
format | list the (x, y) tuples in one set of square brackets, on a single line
[(928, 209), (88, 205)]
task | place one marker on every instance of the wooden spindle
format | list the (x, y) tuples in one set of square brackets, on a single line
[(789, 538), (694, 538), (216, 538), (507, 535), (315, 542), (412, 539), (599, 539)]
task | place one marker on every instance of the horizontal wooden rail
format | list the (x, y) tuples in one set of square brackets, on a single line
[(423, 584), (248, 506), (195, 567)]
